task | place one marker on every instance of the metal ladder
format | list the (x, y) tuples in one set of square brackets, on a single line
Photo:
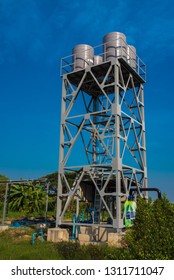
[(97, 204)]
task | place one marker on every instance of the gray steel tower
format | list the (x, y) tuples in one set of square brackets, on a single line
[(102, 137)]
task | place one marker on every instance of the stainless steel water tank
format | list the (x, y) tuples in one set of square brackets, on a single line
[(114, 46), (131, 56), (98, 59), (82, 56)]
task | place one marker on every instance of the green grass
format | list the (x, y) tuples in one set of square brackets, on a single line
[(15, 246)]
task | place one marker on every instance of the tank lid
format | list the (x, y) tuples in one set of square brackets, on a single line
[(115, 34)]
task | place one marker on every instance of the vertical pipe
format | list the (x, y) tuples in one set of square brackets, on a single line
[(144, 140), (96, 157), (118, 158), (5, 204), (95, 109), (77, 206), (46, 207)]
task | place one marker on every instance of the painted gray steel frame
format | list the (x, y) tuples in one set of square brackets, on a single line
[(123, 119)]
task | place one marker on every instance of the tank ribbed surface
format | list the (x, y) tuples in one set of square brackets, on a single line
[(98, 59), (114, 46), (131, 56), (82, 56)]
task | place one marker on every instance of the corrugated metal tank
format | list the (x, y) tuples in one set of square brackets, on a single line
[(114, 46), (98, 59), (83, 56), (131, 56)]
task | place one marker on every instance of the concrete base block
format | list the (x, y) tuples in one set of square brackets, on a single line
[(104, 233), (91, 231), (99, 234), (57, 234), (85, 230), (95, 234), (85, 237), (115, 239), (3, 228)]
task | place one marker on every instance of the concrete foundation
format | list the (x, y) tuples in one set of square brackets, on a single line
[(115, 239), (94, 235), (3, 228), (57, 234), (85, 237), (88, 235)]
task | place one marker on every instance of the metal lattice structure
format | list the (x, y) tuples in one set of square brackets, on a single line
[(102, 139)]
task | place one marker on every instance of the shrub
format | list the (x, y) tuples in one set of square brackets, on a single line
[(95, 252), (27, 198), (112, 253), (152, 234), (68, 250), (73, 251)]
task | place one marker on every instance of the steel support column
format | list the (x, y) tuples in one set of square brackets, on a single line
[(102, 139)]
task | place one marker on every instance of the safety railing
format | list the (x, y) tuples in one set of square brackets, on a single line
[(104, 53)]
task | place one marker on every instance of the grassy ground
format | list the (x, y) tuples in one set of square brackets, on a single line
[(15, 244)]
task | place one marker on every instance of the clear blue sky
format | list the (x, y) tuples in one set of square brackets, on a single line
[(35, 34)]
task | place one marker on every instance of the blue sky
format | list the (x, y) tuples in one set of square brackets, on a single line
[(35, 34)]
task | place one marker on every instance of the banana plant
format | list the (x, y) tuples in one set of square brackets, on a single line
[(27, 198)]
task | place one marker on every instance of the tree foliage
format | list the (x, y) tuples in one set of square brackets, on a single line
[(52, 178), (152, 236), (27, 198), (3, 178)]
